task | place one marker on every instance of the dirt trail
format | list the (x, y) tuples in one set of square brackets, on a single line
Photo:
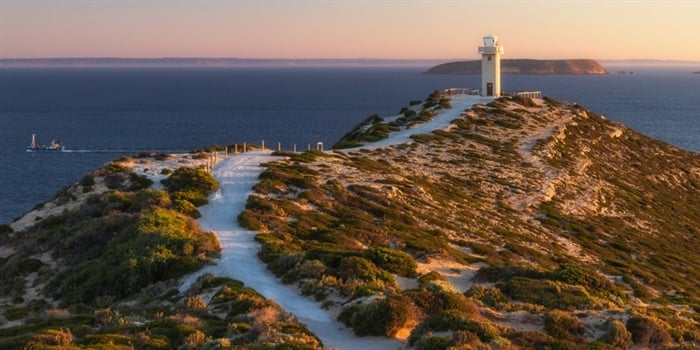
[(551, 175), (237, 175)]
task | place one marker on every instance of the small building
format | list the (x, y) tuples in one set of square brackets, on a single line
[(491, 66)]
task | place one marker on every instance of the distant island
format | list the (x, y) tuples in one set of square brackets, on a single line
[(524, 66)]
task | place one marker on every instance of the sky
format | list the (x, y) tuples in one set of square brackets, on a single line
[(398, 29)]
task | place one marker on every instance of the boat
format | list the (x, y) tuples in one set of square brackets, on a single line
[(55, 146)]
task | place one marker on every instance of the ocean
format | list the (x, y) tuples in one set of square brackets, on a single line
[(103, 113)]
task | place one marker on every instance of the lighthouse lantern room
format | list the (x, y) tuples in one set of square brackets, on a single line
[(491, 66)]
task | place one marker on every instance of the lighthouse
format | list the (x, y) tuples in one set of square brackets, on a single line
[(491, 66)]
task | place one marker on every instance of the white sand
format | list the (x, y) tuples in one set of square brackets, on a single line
[(236, 176)]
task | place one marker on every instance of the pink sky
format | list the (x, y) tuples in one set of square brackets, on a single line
[(616, 29)]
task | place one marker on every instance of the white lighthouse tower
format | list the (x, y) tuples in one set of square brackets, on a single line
[(491, 66)]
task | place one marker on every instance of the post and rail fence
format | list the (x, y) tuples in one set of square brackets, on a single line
[(476, 92), (218, 155)]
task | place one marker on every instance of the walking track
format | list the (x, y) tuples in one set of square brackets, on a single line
[(236, 176)]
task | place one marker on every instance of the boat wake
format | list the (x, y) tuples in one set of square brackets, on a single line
[(133, 150)]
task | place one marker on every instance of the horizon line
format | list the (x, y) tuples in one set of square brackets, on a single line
[(243, 62)]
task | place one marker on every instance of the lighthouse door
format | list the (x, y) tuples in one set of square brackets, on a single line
[(489, 89)]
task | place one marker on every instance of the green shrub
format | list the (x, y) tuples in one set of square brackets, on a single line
[(430, 277), (200, 156), (162, 156), (29, 265), (187, 208), (647, 331), (312, 269), (164, 244), (111, 340), (552, 101), (533, 340), (251, 221), (51, 338), (454, 320), (87, 181), (433, 343), (16, 313), (560, 325), (190, 179), (382, 317), (445, 103), (547, 293), (490, 296), (355, 267), (616, 335), (149, 200), (582, 276), (115, 181), (392, 260), (194, 197), (139, 182), (112, 168)]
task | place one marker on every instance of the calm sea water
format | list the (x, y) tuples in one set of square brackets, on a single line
[(101, 114)]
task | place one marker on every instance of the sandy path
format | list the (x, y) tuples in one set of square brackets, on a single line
[(459, 103), (239, 260), (551, 175)]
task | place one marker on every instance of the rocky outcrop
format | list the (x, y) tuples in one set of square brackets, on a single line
[(524, 66)]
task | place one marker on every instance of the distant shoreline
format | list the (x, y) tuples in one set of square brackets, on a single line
[(78, 62), (211, 62)]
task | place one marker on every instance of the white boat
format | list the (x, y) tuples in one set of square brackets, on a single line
[(55, 146)]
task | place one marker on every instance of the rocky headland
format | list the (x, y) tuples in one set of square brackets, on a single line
[(510, 223), (524, 66)]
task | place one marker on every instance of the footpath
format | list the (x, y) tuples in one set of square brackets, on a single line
[(239, 260)]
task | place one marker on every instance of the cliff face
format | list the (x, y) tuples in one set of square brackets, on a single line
[(524, 66)]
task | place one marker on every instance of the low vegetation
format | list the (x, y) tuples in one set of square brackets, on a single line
[(531, 213), (550, 202), (103, 275), (232, 317), (376, 128)]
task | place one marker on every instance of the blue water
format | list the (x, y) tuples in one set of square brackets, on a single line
[(102, 113)]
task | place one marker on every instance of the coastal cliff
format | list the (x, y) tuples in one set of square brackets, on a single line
[(507, 223), (524, 66)]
